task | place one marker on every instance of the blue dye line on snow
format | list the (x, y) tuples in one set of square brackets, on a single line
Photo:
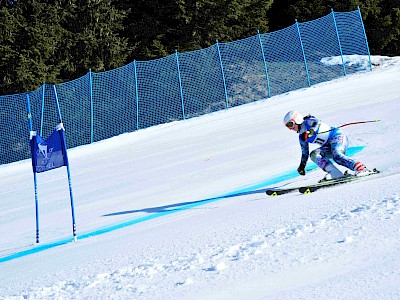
[(286, 176), (178, 207)]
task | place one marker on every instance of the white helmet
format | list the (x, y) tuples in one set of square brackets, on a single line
[(292, 118)]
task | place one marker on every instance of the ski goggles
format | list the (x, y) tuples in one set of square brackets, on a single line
[(290, 124)]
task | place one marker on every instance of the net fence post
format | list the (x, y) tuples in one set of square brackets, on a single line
[(340, 45), (223, 75), (91, 106), (304, 54), (365, 37), (265, 63), (137, 95), (180, 84), (42, 114)]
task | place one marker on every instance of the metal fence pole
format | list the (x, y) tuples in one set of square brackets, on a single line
[(265, 63), (340, 45), (304, 54), (91, 106), (223, 75), (42, 114), (365, 37), (180, 84), (136, 96)]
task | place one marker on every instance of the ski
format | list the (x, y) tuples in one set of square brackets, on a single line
[(329, 183), (277, 191), (307, 189)]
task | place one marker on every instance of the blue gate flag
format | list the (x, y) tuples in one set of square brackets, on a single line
[(48, 154)]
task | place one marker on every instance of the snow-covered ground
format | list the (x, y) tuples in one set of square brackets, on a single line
[(178, 211)]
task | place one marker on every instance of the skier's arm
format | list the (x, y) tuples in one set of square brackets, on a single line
[(313, 126), (304, 157)]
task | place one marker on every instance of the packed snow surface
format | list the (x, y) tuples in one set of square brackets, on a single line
[(179, 211)]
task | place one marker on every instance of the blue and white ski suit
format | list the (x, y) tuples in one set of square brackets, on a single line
[(333, 143)]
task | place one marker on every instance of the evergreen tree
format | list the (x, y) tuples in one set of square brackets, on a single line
[(278, 15), (381, 19), (9, 28), (95, 27), (159, 27), (147, 26), (60, 40), (30, 37), (54, 41), (307, 10), (206, 21), (382, 24)]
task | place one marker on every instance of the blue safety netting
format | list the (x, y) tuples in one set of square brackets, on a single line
[(141, 94)]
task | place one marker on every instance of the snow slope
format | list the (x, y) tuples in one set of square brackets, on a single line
[(178, 211)]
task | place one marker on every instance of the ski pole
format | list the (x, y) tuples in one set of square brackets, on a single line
[(360, 122), (352, 123)]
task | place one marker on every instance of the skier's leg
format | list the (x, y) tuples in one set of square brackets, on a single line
[(321, 157), (339, 144)]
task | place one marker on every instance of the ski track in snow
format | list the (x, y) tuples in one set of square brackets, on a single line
[(135, 281)]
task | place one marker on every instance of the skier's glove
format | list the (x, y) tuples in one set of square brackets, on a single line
[(307, 134), (301, 169)]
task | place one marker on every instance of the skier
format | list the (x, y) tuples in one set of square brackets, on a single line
[(333, 145)]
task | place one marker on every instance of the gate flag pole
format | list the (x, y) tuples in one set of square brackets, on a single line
[(32, 141), (60, 129)]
